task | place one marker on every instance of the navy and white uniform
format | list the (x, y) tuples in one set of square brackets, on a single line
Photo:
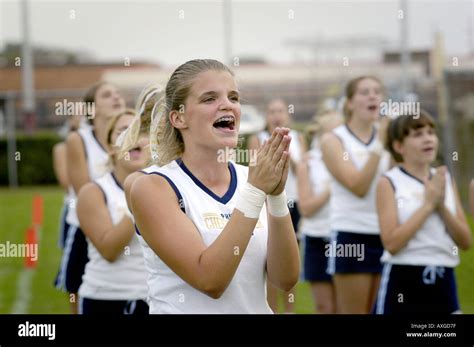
[(316, 229), (246, 293), (423, 271), (122, 281), (74, 257), (64, 226), (291, 187), (353, 220)]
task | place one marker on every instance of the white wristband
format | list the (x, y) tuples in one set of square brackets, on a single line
[(278, 205), (250, 200), (377, 147)]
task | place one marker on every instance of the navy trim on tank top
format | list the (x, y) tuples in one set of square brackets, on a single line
[(97, 140), (402, 169), (136, 229), (227, 196), (358, 139), (176, 191), (391, 182), (171, 183), (103, 191), (83, 144), (116, 181)]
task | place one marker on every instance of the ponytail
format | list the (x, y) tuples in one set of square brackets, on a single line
[(149, 98)]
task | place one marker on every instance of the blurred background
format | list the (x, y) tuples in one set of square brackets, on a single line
[(302, 51)]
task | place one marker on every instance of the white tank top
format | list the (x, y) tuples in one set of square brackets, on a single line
[(246, 293), (348, 212), (291, 187), (318, 224), (97, 165), (431, 245), (125, 278)]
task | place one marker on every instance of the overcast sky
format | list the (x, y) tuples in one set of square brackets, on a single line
[(171, 32)]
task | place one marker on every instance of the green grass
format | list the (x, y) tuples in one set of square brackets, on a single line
[(15, 217)]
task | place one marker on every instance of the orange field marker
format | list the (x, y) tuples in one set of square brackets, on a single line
[(32, 233)]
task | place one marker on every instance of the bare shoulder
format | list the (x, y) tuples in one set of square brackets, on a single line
[(89, 191), (59, 147), (90, 197), (73, 138), (385, 183), (149, 187), (128, 184), (330, 141), (59, 151), (130, 180), (328, 137)]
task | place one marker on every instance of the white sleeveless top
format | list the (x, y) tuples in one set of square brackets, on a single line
[(318, 224), (431, 245), (125, 278), (348, 212), (97, 164), (291, 187), (246, 293)]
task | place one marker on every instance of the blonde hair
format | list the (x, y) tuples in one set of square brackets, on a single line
[(145, 112), (316, 128), (154, 106), (320, 120)]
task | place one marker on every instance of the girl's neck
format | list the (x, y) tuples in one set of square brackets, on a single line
[(362, 129), (120, 174), (419, 170), (100, 130), (209, 167)]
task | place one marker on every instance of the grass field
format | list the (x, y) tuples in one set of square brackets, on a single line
[(42, 297)]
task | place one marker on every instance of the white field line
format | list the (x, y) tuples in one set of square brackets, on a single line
[(23, 291)]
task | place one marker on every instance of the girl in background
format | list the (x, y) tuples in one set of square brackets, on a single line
[(114, 280), (422, 223), (314, 194), (87, 159), (355, 157), (60, 171)]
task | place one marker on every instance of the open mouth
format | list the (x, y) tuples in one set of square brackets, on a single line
[(372, 108), (428, 149), (225, 123), (135, 153)]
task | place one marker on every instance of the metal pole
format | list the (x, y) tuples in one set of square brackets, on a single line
[(448, 130), (404, 51), (11, 142), (27, 78)]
